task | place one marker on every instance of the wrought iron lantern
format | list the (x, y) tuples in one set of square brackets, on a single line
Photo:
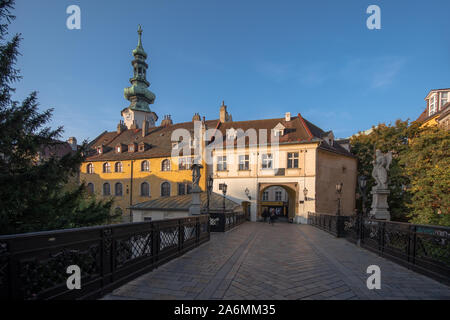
[(247, 193), (362, 183), (339, 187), (209, 186), (224, 191), (339, 191), (305, 193)]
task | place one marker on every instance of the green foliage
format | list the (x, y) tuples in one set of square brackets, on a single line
[(33, 196), (418, 190), (427, 165)]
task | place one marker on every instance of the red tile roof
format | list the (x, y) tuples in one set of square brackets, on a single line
[(298, 130)]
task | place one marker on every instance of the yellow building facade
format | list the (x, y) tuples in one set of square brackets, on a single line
[(131, 177)]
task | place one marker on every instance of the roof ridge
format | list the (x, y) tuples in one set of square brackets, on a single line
[(305, 126)]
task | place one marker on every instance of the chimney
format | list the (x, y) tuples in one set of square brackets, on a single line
[(72, 141), (287, 116), (167, 121), (224, 117), (196, 117), (145, 125), (121, 127)]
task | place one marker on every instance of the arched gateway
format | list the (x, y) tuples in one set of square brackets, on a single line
[(284, 207)]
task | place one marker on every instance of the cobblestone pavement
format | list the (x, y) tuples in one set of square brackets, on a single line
[(284, 261)]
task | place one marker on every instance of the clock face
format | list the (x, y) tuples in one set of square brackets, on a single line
[(128, 116)]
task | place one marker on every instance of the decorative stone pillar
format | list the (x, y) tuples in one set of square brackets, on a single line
[(380, 207), (195, 207)]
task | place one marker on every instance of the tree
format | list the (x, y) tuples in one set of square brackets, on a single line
[(418, 178), (32, 194), (387, 138), (427, 166)]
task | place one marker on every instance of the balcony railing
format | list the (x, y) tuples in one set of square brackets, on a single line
[(34, 265), (423, 248)]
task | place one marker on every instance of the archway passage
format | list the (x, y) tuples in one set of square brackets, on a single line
[(278, 198)]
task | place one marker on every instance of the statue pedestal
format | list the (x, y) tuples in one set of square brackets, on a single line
[(380, 208), (195, 208)]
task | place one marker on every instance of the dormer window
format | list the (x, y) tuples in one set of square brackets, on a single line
[(231, 134), (118, 149), (444, 98), (142, 147), (328, 137), (278, 131), (132, 147), (99, 149), (432, 105)]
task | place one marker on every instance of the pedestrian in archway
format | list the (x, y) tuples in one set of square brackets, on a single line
[(272, 216), (265, 214)]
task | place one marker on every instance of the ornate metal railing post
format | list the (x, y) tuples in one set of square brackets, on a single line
[(180, 235), (155, 242), (414, 244), (382, 231), (197, 231), (107, 256)]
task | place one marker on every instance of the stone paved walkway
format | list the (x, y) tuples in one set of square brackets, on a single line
[(284, 261)]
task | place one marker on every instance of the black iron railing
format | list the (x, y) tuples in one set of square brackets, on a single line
[(425, 249), (34, 265), (221, 222), (330, 223)]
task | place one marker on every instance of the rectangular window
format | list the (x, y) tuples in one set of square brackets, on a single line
[(184, 163), (221, 186), (244, 162), (221, 163), (265, 196), (444, 98), (292, 160), (277, 195), (267, 161), (432, 105), (181, 189)]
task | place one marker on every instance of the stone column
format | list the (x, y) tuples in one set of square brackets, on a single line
[(195, 207)]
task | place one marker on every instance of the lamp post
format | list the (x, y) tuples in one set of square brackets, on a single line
[(305, 193), (224, 191), (339, 192), (362, 182), (209, 186)]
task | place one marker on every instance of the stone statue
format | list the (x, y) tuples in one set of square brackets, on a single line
[(380, 169), (195, 207), (380, 191), (196, 174)]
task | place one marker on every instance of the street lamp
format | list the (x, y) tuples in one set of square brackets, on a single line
[(305, 193), (209, 186), (362, 182), (224, 191), (339, 192), (247, 193)]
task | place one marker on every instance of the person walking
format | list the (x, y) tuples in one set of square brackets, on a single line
[(265, 214), (272, 216)]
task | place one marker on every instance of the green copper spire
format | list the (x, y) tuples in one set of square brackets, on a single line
[(138, 94), (140, 49)]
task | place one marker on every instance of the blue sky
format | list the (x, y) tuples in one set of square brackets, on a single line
[(263, 58)]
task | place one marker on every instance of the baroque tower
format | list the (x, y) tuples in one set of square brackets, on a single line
[(138, 93)]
